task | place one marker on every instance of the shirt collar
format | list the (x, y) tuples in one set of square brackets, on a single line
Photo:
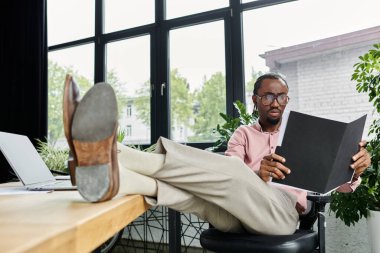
[(258, 127)]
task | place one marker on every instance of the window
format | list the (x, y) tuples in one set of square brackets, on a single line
[(121, 14), (77, 61), (316, 55), (197, 81), (128, 130), (177, 64), (128, 70), (70, 20), (129, 110), (178, 8)]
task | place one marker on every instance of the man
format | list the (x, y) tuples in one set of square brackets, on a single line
[(231, 192), (256, 144)]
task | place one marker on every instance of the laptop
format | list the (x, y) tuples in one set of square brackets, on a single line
[(28, 164)]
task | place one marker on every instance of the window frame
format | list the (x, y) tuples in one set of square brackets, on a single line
[(159, 59)]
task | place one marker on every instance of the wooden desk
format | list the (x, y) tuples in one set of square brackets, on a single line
[(62, 221)]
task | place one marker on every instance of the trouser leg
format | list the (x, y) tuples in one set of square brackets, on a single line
[(134, 168), (132, 182), (224, 182), (186, 202), (227, 182)]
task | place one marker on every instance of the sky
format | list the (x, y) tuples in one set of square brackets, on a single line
[(199, 51)]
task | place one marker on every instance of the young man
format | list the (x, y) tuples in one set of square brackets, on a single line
[(231, 192)]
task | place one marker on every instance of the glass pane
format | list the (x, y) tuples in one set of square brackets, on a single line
[(315, 46), (122, 14), (128, 71), (197, 81), (70, 20), (179, 8), (79, 61)]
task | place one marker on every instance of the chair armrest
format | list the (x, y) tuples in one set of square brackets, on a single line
[(319, 199), (318, 205)]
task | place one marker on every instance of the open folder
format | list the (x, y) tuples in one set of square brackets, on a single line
[(318, 151)]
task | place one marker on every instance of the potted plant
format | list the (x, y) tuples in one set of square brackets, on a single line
[(365, 201), (226, 130), (54, 158)]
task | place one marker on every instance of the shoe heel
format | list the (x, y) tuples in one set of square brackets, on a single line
[(93, 181), (93, 175)]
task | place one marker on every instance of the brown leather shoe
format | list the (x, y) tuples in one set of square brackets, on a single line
[(93, 131), (71, 98)]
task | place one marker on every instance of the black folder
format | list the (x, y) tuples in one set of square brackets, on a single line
[(319, 151)]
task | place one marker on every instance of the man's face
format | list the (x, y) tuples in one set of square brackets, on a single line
[(270, 114)]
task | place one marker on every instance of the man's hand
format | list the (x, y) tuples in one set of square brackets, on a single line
[(362, 159), (272, 166)]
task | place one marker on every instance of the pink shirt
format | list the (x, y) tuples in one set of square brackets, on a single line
[(251, 144)]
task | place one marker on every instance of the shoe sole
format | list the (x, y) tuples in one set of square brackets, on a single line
[(93, 132), (71, 99)]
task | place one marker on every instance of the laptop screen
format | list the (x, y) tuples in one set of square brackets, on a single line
[(24, 159)]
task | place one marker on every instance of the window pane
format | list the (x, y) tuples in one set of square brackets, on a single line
[(179, 8), (78, 61), (70, 20), (197, 81), (122, 14), (315, 47), (128, 71)]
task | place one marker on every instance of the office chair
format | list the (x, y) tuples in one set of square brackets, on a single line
[(304, 240)]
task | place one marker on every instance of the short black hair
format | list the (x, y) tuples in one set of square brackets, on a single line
[(259, 80)]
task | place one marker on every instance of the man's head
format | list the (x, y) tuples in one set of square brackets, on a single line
[(270, 96)]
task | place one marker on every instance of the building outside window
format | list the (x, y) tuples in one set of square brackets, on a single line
[(128, 129), (129, 110)]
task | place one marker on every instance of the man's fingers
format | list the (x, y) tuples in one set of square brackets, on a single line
[(360, 167), (273, 171), (278, 166), (277, 174), (363, 152), (274, 157), (272, 166)]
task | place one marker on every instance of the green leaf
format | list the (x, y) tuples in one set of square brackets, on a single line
[(354, 206)]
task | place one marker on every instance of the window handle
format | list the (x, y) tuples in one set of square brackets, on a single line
[(162, 89)]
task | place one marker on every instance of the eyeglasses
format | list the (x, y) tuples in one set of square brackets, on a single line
[(268, 99)]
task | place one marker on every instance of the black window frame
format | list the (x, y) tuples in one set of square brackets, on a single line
[(159, 59)]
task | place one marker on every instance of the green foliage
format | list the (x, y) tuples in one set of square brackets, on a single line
[(226, 130), (142, 103), (182, 100), (351, 207), (121, 133), (197, 110), (54, 158), (56, 79), (210, 100), (118, 87)]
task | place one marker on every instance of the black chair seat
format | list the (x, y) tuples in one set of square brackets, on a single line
[(301, 241)]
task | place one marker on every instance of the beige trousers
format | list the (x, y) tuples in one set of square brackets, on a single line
[(219, 189)]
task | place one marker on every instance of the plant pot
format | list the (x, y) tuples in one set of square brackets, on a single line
[(373, 224)]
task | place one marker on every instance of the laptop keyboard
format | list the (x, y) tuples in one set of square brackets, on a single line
[(62, 184)]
